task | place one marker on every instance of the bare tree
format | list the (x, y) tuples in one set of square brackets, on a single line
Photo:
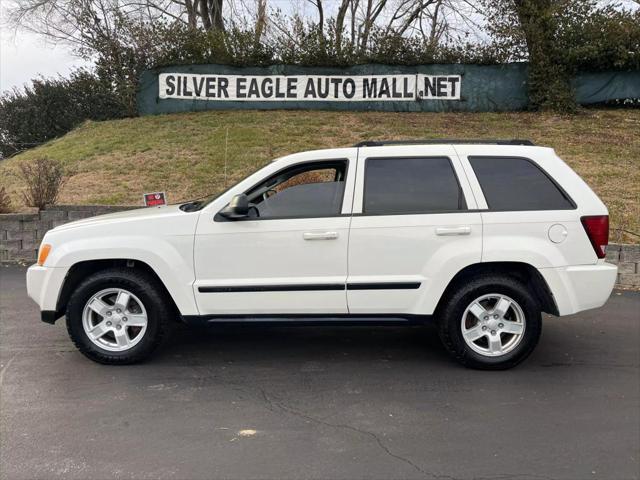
[(84, 23), (81, 22)]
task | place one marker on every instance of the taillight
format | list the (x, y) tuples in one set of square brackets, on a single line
[(597, 228)]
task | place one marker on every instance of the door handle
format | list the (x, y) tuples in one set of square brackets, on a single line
[(462, 230), (320, 235)]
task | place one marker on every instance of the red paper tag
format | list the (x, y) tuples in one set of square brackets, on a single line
[(154, 199)]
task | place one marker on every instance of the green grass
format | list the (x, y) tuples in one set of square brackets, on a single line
[(114, 162)]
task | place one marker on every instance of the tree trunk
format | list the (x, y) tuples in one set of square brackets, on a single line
[(369, 21), (215, 15), (204, 14), (261, 20), (192, 18), (342, 12)]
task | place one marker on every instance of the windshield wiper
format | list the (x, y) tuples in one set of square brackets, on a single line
[(191, 206)]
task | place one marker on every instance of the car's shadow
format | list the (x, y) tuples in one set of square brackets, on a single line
[(304, 343), (268, 344)]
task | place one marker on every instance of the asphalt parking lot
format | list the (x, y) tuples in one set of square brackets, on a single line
[(320, 403)]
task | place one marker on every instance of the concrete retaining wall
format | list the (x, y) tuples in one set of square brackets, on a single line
[(20, 236)]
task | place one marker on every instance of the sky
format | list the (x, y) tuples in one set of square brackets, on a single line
[(24, 56)]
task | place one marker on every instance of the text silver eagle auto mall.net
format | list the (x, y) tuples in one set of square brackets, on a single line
[(340, 88)]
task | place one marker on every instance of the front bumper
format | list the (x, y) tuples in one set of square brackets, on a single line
[(580, 287), (43, 287)]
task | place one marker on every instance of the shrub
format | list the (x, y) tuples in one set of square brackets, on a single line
[(51, 107), (603, 38), (43, 178), (559, 39), (302, 45), (5, 201)]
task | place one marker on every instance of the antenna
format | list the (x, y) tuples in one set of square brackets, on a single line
[(226, 143)]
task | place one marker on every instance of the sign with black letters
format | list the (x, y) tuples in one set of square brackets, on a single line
[(315, 88), (368, 87)]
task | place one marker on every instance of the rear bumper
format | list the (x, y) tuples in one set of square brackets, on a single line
[(43, 287), (580, 287)]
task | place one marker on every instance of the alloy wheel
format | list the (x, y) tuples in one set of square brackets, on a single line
[(114, 319), (493, 325)]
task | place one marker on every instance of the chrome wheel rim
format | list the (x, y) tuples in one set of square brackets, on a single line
[(493, 325), (114, 319)]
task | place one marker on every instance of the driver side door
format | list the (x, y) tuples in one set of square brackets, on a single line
[(289, 257)]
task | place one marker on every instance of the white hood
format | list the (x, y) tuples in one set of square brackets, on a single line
[(124, 216)]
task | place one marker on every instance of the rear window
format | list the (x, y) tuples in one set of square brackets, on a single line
[(511, 183), (411, 185)]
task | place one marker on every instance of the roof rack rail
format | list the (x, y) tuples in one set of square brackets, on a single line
[(433, 141)]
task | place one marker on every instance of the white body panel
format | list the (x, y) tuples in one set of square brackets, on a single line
[(274, 252), (428, 249), (580, 287), (523, 236), (161, 237), (270, 253), (193, 250), (377, 254)]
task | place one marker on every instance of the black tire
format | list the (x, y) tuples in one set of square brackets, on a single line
[(143, 286), (451, 313)]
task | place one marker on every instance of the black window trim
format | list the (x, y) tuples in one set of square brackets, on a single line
[(310, 163), (462, 196), (562, 191)]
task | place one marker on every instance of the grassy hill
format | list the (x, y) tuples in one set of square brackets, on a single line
[(185, 154)]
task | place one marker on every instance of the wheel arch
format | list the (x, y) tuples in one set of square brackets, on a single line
[(524, 272), (80, 270)]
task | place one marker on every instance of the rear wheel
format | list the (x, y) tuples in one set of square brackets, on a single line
[(118, 316), (491, 322)]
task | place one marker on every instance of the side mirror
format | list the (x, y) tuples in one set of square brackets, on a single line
[(238, 207)]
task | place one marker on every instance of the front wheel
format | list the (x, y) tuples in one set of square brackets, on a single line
[(490, 323), (117, 316)]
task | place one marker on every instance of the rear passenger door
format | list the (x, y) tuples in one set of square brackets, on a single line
[(415, 225)]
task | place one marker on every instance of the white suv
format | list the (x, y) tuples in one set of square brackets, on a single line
[(480, 236)]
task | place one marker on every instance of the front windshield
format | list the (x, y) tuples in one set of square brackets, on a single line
[(195, 205), (200, 203)]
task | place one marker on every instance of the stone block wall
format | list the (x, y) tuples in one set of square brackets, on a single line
[(627, 257), (21, 233)]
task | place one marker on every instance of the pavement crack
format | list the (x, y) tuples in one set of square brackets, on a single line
[(5, 368), (275, 404), (512, 476), (270, 405)]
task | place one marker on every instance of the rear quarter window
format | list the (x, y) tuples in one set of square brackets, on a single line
[(514, 183)]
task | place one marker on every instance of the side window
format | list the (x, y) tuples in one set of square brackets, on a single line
[(309, 190), (512, 183), (411, 185)]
